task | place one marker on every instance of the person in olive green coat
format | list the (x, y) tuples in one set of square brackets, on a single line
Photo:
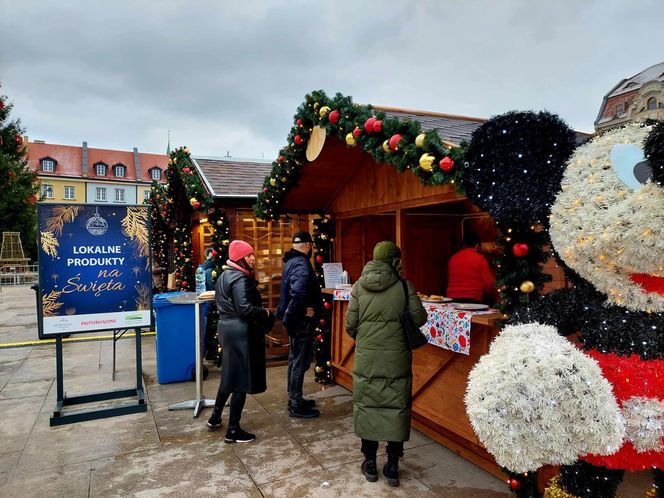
[(382, 375)]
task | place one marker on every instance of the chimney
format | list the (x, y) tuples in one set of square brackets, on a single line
[(85, 159), (137, 164)]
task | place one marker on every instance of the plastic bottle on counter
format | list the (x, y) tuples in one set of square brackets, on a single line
[(200, 279)]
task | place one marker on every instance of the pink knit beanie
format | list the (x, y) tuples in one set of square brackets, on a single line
[(238, 250)]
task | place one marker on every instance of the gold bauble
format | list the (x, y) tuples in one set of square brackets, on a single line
[(527, 287), (419, 140), (329, 363), (186, 150), (323, 111), (193, 201), (225, 242), (219, 222), (175, 160), (170, 161), (316, 106), (319, 369), (386, 146), (284, 179), (350, 140), (273, 182), (214, 274), (426, 162)]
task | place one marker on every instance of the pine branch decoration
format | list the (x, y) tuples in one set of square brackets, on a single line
[(134, 226), (143, 299), (60, 216), (50, 303), (49, 244)]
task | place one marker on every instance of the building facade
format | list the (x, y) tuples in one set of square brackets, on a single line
[(637, 98), (82, 174)]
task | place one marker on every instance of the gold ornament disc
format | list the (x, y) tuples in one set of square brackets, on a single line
[(316, 142)]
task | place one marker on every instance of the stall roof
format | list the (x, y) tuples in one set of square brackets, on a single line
[(232, 178), (451, 128)]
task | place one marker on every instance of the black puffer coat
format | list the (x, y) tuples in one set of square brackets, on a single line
[(242, 320), (299, 289)]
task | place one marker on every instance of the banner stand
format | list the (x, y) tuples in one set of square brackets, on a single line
[(60, 418)]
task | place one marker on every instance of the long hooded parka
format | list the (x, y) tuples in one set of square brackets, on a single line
[(382, 375), (242, 321)]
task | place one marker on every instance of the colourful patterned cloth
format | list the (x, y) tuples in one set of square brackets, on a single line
[(341, 294), (448, 328)]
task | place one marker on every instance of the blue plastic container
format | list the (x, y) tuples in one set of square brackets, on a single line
[(175, 341)]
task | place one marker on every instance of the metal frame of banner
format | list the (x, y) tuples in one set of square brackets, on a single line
[(60, 418)]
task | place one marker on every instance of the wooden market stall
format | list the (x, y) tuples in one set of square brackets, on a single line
[(370, 202)]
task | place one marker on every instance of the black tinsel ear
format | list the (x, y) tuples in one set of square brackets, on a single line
[(515, 163), (654, 150)]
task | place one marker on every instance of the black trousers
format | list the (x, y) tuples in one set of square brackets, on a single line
[(237, 405), (370, 448), (300, 354)]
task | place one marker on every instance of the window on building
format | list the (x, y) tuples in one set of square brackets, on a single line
[(155, 174), (47, 190), (100, 169), (70, 192), (119, 195), (146, 195), (120, 170), (100, 194), (48, 165), (620, 109), (652, 103)]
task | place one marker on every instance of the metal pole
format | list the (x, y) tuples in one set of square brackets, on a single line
[(199, 386), (139, 367), (58, 368)]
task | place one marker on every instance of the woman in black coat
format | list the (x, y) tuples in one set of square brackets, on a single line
[(242, 324)]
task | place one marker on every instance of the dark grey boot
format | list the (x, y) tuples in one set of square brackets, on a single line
[(391, 470), (369, 469)]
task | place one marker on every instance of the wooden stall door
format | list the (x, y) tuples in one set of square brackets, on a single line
[(357, 237)]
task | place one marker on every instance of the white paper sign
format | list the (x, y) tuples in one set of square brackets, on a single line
[(332, 273)]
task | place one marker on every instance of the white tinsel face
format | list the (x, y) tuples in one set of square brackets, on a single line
[(607, 225)]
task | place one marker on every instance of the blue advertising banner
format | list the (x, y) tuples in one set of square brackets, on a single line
[(94, 268)]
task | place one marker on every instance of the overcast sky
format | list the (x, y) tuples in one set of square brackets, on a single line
[(228, 76)]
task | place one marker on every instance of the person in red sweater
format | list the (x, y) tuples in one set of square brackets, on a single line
[(469, 278)]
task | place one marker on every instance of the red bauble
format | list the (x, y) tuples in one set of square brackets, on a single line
[(394, 141), (297, 139), (18, 139), (265, 189), (32, 199), (2, 105), (514, 484), (281, 159), (446, 163), (322, 321), (327, 305), (214, 254), (369, 124), (356, 132), (298, 122), (320, 259), (520, 249), (185, 169), (378, 126), (334, 116), (11, 174), (319, 338), (197, 205)]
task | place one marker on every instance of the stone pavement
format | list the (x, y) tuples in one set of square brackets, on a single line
[(168, 453)]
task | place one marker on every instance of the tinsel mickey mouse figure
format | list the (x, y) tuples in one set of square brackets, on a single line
[(591, 402)]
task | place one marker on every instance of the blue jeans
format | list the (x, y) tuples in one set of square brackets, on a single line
[(300, 354)]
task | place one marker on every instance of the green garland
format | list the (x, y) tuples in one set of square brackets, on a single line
[(180, 168), (424, 153), (220, 240), (323, 240), (184, 264)]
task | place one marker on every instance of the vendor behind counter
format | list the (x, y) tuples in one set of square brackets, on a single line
[(469, 277)]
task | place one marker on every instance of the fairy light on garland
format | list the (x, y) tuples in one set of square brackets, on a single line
[(220, 240), (323, 237), (184, 265)]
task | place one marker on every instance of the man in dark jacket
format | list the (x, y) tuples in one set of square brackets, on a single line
[(300, 301)]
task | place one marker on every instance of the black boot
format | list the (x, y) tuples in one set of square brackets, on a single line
[(307, 403), (391, 470), (235, 434), (298, 409), (369, 469), (214, 422)]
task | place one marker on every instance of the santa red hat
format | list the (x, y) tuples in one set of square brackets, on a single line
[(238, 250)]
